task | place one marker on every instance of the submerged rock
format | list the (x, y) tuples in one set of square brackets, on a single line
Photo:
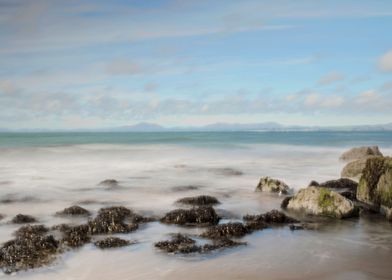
[(112, 242), (111, 183), (323, 202), (227, 171), (204, 215), (268, 184), (226, 230), (74, 211), (375, 185), (186, 188), (199, 200), (23, 219), (112, 220), (28, 250), (360, 153), (180, 244)]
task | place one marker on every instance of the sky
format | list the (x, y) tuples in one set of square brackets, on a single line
[(93, 64)]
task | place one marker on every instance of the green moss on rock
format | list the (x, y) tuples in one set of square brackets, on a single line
[(375, 185)]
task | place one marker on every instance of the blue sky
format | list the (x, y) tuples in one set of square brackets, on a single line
[(76, 64)]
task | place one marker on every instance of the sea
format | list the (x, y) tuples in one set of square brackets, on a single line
[(43, 173)]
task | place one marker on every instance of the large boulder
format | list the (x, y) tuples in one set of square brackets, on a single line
[(321, 201), (354, 169), (375, 185), (268, 184), (360, 153)]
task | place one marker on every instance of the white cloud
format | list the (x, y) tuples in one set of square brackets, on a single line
[(331, 78), (385, 62), (367, 97)]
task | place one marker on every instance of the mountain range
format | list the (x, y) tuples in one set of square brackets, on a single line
[(265, 126)]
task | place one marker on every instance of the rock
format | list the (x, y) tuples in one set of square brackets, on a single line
[(360, 153), (342, 183), (304, 226), (204, 215), (271, 217), (321, 201), (185, 188), (23, 219), (227, 171), (375, 185), (28, 250), (314, 183), (74, 211), (285, 202), (112, 220), (29, 230), (353, 169), (199, 200), (268, 184), (226, 230), (75, 236), (344, 186), (1, 216), (180, 244), (112, 242), (111, 183)]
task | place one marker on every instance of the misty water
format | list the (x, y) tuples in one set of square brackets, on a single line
[(41, 174)]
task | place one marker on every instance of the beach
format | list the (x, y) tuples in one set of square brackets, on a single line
[(41, 174)]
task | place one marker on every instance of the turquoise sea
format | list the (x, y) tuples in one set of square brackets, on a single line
[(308, 138)]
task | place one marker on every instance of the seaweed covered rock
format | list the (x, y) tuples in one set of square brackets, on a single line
[(323, 202), (227, 230), (270, 218), (360, 153), (268, 184), (75, 236), (204, 215), (112, 242), (23, 219), (30, 230), (178, 244), (28, 250), (111, 183), (200, 200), (181, 244), (112, 220), (74, 211), (375, 185)]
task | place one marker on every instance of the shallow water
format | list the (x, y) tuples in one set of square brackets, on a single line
[(43, 179)]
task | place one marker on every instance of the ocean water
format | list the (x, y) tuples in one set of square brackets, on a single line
[(42, 173)]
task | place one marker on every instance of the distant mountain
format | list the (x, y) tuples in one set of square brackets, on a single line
[(266, 126), (140, 127), (241, 127)]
